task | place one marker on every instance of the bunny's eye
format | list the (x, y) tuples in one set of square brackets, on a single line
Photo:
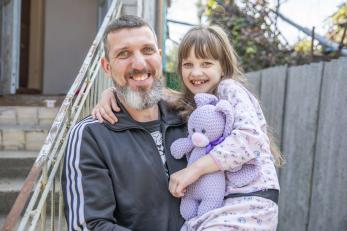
[(203, 131), (193, 129)]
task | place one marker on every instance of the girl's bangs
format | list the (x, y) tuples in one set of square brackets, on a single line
[(205, 46)]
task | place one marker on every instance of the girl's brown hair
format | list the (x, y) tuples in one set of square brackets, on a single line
[(207, 42), (211, 42)]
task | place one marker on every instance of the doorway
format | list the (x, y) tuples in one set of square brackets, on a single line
[(31, 47)]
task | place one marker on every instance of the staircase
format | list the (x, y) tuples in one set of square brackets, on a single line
[(23, 130)]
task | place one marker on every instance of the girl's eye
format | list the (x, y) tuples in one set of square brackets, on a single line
[(206, 64), (203, 131), (123, 54), (187, 65)]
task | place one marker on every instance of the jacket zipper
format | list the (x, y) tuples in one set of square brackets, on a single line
[(165, 127)]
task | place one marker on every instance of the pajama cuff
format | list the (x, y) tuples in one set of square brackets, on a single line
[(217, 161)]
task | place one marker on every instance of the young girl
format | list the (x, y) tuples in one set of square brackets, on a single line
[(208, 63)]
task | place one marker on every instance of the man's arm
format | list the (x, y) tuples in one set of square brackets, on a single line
[(87, 187)]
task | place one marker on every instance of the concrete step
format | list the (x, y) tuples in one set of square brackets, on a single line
[(14, 164), (9, 190), (30, 100), (2, 221), (48, 223), (23, 137), (27, 115)]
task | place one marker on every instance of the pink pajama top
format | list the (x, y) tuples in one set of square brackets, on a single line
[(248, 139)]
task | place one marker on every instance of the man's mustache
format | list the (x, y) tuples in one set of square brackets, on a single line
[(139, 72)]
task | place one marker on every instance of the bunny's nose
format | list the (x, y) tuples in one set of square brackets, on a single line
[(200, 140)]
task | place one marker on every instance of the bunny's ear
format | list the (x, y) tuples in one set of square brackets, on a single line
[(225, 107), (204, 99)]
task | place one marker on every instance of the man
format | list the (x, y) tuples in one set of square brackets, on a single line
[(115, 177)]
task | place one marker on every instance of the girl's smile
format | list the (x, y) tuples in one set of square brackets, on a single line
[(201, 74)]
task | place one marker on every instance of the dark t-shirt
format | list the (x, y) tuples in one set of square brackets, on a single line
[(154, 128)]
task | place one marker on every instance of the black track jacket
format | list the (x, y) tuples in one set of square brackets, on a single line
[(113, 177)]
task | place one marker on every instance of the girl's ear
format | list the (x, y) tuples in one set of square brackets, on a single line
[(223, 106), (204, 99)]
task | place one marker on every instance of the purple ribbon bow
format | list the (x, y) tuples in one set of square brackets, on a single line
[(211, 145)]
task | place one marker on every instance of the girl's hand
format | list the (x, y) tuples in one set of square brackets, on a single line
[(103, 110), (180, 180)]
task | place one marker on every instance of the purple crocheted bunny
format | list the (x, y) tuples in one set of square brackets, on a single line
[(208, 125)]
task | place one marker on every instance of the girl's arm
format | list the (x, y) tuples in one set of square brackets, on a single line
[(248, 137), (103, 110), (180, 180)]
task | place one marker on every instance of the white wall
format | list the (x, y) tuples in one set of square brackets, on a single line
[(69, 30)]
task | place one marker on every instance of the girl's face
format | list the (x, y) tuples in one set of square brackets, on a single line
[(201, 75)]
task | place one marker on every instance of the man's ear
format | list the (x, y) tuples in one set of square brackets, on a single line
[(106, 66), (160, 52)]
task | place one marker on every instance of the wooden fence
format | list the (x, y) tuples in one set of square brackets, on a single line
[(306, 106)]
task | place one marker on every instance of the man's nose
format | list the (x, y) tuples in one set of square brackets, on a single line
[(139, 61)]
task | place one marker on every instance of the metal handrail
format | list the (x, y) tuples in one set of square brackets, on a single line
[(82, 96)]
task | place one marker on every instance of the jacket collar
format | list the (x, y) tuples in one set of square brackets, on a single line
[(125, 121)]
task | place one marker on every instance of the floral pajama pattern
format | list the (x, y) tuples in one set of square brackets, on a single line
[(249, 213)]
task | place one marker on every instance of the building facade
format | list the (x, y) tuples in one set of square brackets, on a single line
[(44, 42)]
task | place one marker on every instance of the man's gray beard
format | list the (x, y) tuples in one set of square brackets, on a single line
[(142, 98)]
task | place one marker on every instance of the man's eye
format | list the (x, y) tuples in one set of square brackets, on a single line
[(148, 50), (123, 54)]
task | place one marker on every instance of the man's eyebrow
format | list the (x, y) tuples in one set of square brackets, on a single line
[(150, 44), (115, 51), (120, 48)]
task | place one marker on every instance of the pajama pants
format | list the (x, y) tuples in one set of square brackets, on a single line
[(241, 213)]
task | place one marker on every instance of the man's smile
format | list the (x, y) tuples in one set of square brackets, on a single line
[(140, 77)]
